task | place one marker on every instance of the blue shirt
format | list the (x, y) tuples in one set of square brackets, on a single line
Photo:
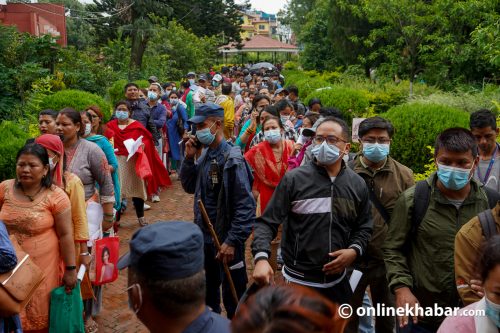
[(239, 202), (8, 259), (159, 114), (208, 322)]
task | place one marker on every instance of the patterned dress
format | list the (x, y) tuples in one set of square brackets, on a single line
[(33, 224)]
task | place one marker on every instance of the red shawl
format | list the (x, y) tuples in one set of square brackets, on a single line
[(267, 172), (151, 168)]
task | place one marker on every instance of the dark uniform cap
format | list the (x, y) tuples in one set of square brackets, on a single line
[(202, 77), (206, 110), (166, 251)]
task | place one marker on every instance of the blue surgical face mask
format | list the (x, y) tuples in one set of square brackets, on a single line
[(284, 119), (326, 154), (215, 84), (375, 152), (152, 95), (205, 135), (454, 178), (273, 136), (174, 101), (191, 81), (493, 312), (121, 115)]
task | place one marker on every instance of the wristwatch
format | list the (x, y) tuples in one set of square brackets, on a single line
[(70, 268), (85, 254)]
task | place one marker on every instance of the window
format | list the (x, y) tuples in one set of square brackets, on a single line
[(262, 27)]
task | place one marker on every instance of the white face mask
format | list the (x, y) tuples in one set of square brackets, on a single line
[(52, 165), (88, 129), (130, 305)]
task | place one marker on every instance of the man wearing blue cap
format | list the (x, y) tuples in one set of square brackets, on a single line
[(166, 282), (222, 180)]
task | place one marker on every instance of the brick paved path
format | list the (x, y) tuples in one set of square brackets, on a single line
[(175, 205)]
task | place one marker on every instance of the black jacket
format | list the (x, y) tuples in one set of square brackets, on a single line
[(311, 228)]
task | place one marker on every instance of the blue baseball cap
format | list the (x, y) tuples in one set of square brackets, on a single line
[(166, 250), (206, 110)]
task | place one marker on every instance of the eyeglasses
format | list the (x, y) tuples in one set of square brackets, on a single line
[(382, 141), (330, 139)]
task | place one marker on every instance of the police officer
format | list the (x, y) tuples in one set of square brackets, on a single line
[(222, 180), (166, 282)]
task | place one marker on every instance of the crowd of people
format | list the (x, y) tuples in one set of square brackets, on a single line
[(262, 166)]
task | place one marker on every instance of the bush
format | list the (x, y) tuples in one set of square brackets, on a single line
[(76, 99), (13, 138), (352, 103), (417, 126)]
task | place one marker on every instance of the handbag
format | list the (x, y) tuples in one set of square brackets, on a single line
[(66, 311), (105, 254), (18, 286)]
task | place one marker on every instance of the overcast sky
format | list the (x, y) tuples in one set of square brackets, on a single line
[(268, 6)]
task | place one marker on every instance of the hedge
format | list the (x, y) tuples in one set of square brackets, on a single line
[(76, 99), (13, 138), (351, 102), (417, 126)]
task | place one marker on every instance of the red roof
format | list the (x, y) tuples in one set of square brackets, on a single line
[(259, 42)]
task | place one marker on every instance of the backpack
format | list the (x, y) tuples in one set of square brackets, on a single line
[(421, 203)]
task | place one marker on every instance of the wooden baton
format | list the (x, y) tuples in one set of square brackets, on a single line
[(211, 229)]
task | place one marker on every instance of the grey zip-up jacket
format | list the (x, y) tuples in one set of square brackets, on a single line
[(319, 217)]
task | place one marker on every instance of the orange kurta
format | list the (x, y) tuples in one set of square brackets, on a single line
[(33, 225)]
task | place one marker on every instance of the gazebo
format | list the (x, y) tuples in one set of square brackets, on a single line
[(259, 43)]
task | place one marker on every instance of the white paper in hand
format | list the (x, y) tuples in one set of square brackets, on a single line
[(132, 146), (354, 280)]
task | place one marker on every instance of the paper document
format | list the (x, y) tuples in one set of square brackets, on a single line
[(354, 280), (132, 146), (81, 273)]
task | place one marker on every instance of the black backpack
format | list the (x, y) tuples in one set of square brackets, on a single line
[(421, 203)]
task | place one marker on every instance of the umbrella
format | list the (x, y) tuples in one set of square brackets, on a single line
[(259, 65)]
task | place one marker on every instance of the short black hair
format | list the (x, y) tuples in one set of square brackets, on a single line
[(130, 84), (456, 139), (175, 297), (186, 84), (272, 110), (283, 104), (340, 122), (49, 112), (483, 118), (226, 89), (42, 154), (490, 256), (293, 89), (314, 101), (375, 122), (331, 112)]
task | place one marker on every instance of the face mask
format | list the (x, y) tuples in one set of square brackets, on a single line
[(164, 97), (191, 81), (152, 95), (174, 101), (130, 305), (88, 129), (205, 136), (174, 89), (215, 84), (453, 178), (375, 152), (292, 118), (493, 312), (121, 115), (52, 165), (326, 154), (284, 119), (247, 99), (272, 136)]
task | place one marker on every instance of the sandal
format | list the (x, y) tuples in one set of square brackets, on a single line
[(142, 221), (91, 326)]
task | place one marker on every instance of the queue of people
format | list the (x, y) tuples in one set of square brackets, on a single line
[(262, 167)]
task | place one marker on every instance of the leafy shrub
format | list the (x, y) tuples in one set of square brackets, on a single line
[(417, 126), (291, 65), (351, 102), (13, 138), (76, 99), (469, 101), (429, 167), (307, 85)]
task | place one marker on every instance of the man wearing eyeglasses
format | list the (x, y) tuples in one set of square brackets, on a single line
[(386, 179), (325, 210)]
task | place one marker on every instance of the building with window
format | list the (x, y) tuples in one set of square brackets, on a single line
[(36, 18), (258, 23)]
